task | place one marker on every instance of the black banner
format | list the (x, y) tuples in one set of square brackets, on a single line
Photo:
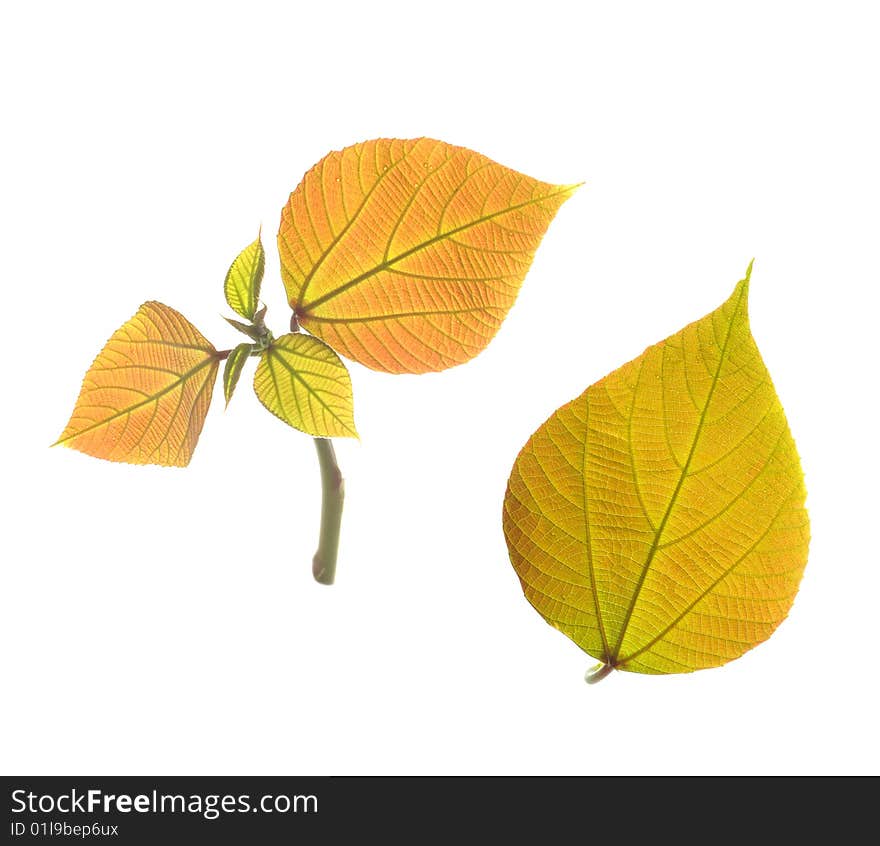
[(116, 809), (200, 809), (304, 809)]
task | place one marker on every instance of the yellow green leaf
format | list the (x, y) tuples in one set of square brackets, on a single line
[(145, 397), (406, 255), (658, 519), (234, 364), (242, 285), (303, 382), (249, 329)]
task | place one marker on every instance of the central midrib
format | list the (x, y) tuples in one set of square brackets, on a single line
[(384, 265), (185, 377), (606, 653), (684, 473)]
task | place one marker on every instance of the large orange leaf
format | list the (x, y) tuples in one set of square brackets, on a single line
[(658, 519), (145, 397), (407, 255)]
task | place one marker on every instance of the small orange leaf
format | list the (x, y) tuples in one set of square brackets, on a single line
[(406, 256), (145, 397), (658, 519)]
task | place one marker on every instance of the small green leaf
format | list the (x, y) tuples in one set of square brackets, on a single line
[(232, 371), (304, 383), (254, 332), (242, 285)]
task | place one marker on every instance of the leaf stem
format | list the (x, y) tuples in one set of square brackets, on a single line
[(596, 674), (333, 496)]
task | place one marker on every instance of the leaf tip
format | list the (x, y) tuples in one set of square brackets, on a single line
[(741, 291), (349, 431), (747, 278)]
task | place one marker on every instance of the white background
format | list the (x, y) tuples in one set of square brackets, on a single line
[(166, 621)]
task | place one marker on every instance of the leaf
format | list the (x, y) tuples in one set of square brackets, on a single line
[(406, 256), (245, 328), (302, 381), (242, 285), (234, 364), (658, 519), (145, 397)]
